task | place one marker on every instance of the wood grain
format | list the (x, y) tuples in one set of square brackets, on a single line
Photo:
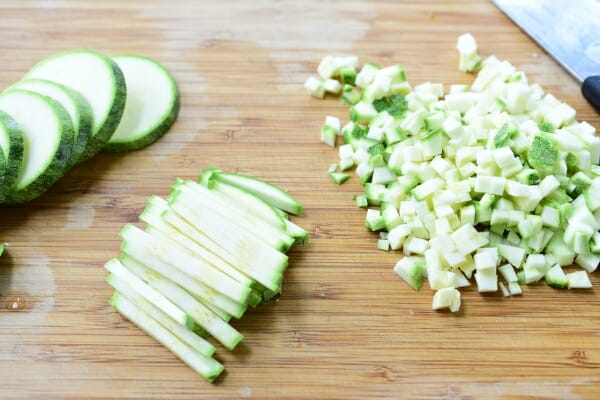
[(345, 326)]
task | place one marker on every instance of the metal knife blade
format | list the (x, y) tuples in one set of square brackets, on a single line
[(569, 30)]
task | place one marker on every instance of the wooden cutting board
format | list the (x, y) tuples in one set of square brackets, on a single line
[(345, 325)]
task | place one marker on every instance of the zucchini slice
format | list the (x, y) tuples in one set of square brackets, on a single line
[(76, 105), (11, 144), (47, 142), (152, 103), (99, 80)]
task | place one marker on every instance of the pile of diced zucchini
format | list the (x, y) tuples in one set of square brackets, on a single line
[(495, 181)]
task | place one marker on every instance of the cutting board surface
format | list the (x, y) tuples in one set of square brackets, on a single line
[(345, 325)]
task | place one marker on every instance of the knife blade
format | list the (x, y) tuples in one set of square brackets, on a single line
[(569, 30)]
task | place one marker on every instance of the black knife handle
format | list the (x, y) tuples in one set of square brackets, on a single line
[(591, 91)]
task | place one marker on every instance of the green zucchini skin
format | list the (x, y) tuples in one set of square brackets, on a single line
[(86, 118), (150, 137), (146, 138), (60, 162), (100, 140), (14, 159)]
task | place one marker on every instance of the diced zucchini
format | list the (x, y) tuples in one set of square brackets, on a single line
[(410, 270), (493, 173), (578, 280), (339, 177), (446, 298), (556, 277)]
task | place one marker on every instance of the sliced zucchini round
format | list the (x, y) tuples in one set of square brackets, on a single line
[(76, 105), (99, 80), (152, 103), (47, 142), (11, 144)]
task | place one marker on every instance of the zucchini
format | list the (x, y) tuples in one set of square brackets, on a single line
[(203, 257), (78, 108), (99, 80), (11, 143), (133, 287), (246, 218), (184, 333), (259, 208), (48, 141), (156, 272), (151, 107), (299, 234), (202, 315), (211, 298), (143, 246), (264, 275), (498, 163), (269, 193), (152, 217), (231, 237), (208, 367)]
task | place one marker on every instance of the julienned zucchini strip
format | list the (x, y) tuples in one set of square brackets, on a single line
[(207, 253)]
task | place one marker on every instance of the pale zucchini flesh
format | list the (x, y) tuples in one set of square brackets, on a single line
[(143, 243), (207, 295), (157, 272), (235, 241), (47, 142), (261, 273), (131, 285), (74, 103), (246, 200), (202, 199), (491, 173), (152, 103), (152, 216), (209, 253), (298, 233), (208, 367), (184, 333), (203, 316), (99, 80), (270, 193)]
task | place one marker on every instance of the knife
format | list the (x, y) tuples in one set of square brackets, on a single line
[(567, 29)]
